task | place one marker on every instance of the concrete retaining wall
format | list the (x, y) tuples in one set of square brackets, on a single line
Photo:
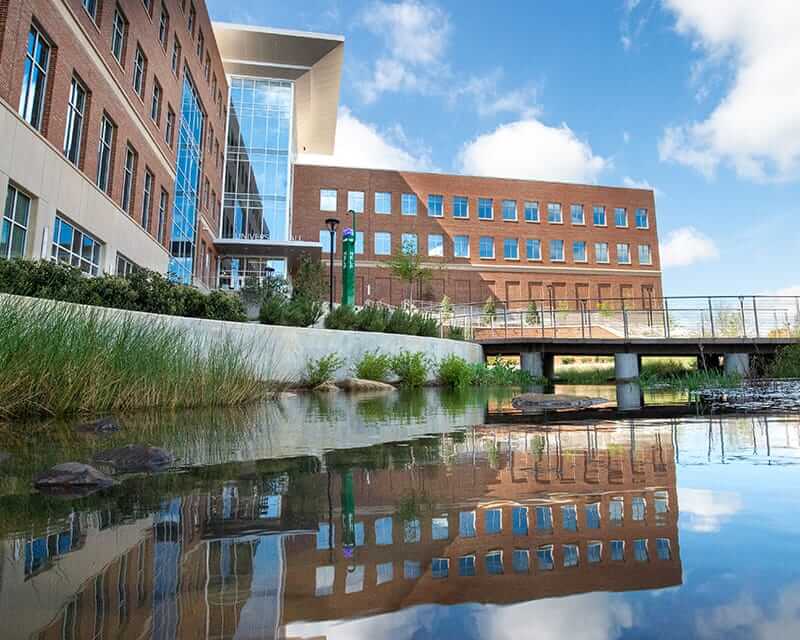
[(281, 353)]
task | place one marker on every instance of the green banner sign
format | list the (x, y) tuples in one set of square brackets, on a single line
[(348, 267)]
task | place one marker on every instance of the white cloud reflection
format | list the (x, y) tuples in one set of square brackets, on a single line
[(704, 511)]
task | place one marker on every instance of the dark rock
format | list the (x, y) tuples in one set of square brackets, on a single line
[(72, 479), (553, 402), (102, 425), (358, 384), (135, 458)]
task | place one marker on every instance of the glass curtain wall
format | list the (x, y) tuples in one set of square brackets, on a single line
[(256, 198), (187, 184)]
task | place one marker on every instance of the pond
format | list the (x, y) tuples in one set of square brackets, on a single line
[(412, 515)]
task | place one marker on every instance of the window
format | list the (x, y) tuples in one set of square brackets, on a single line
[(461, 246), (510, 210), (125, 267), (621, 217), (521, 560), (34, 79), (663, 549), (579, 251), (155, 104), (594, 552), (408, 244), (91, 8), (207, 67), (593, 515), (169, 131), (616, 508), (104, 152), (163, 27), (466, 524), (460, 207), (494, 563), (661, 502), (569, 517), (435, 206), (533, 249), (200, 44), (435, 245), (576, 214), (75, 247), (412, 532), (147, 199), (599, 216), (325, 578), (544, 518), (570, 552), (191, 18), (325, 240), (383, 202), (73, 134), (408, 204), (623, 253), (355, 201), (327, 200), (214, 88), (139, 71), (544, 557), (485, 210), (556, 251), (638, 508), (601, 252), (148, 4), (383, 243), (411, 569), (440, 567), (618, 550), (640, 552), (519, 518), (385, 573), (383, 531), (642, 221), (326, 536), (466, 566), (354, 579), (486, 247), (176, 55), (439, 528), (128, 179), (511, 249), (14, 230), (119, 31), (531, 212), (163, 203), (493, 521), (645, 255), (554, 213), (359, 243)]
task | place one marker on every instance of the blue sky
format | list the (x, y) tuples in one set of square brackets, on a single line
[(698, 100)]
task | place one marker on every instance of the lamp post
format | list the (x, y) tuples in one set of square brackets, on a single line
[(332, 223)]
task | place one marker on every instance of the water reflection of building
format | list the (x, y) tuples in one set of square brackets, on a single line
[(497, 518)]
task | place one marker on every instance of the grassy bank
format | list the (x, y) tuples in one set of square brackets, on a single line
[(60, 361)]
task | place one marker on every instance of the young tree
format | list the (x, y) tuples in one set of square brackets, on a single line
[(408, 267)]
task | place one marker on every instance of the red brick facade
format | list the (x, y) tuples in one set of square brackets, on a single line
[(474, 279)]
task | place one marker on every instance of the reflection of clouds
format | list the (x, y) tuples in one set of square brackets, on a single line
[(748, 619), (704, 511), (602, 616)]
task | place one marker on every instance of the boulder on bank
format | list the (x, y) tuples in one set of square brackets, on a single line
[(359, 384), (326, 387), (553, 402), (72, 479), (101, 425), (135, 458)]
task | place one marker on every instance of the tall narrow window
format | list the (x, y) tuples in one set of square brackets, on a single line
[(163, 203), (645, 254), (191, 18), (169, 131), (73, 134), (34, 79), (104, 152), (200, 44), (176, 55), (485, 210), (408, 244), (601, 252), (599, 216), (510, 210), (621, 217), (460, 207), (163, 26), (355, 201), (383, 202), (486, 247), (155, 103), (461, 246), (435, 206), (118, 33), (139, 71), (533, 249), (147, 199), (91, 8), (576, 211), (531, 212), (207, 67), (14, 230), (408, 204), (556, 251), (128, 178), (623, 253), (642, 221), (554, 214)]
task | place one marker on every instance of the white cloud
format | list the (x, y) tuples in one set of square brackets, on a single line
[(704, 511), (491, 100), (633, 22), (529, 149), (793, 290), (755, 128), (361, 144), (685, 246), (745, 618)]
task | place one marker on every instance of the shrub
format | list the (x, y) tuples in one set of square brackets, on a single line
[(374, 366), (342, 317), (454, 372), (786, 363), (302, 309), (456, 333), (321, 370), (532, 315), (428, 327), (400, 322), (411, 368), (490, 309), (372, 318)]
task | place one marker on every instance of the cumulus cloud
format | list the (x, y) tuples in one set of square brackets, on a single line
[(361, 144), (529, 149), (704, 511), (755, 128), (491, 100), (685, 246), (743, 617)]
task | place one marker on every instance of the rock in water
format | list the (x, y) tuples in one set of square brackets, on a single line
[(102, 425), (326, 387), (553, 402), (72, 479), (358, 384), (135, 458)]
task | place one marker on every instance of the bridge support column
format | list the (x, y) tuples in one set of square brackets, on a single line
[(626, 366), (629, 396), (737, 364), (538, 364)]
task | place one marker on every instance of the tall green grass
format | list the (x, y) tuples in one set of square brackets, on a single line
[(58, 360)]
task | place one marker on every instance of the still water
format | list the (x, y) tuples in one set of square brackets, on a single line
[(410, 516)]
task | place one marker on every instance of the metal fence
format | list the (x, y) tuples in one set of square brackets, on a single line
[(761, 317)]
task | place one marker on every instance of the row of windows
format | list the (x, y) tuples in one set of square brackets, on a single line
[(494, 563), (409, 244), (510, 209)]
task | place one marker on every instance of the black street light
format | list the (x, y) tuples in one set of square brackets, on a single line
[(332, 223)]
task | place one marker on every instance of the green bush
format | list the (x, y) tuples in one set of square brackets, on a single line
[(302, 309), (372, 318), (786, 363), (321, 370), (374, 366), (428, 327), (400, 322), (454, 372), (342, 317), (456, 333), (411, 368)]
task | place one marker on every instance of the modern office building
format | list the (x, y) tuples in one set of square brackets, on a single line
[(137, 134)]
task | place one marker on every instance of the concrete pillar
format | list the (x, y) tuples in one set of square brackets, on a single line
[(737, 364), (626, 366), (629, 396), (532, 362)]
